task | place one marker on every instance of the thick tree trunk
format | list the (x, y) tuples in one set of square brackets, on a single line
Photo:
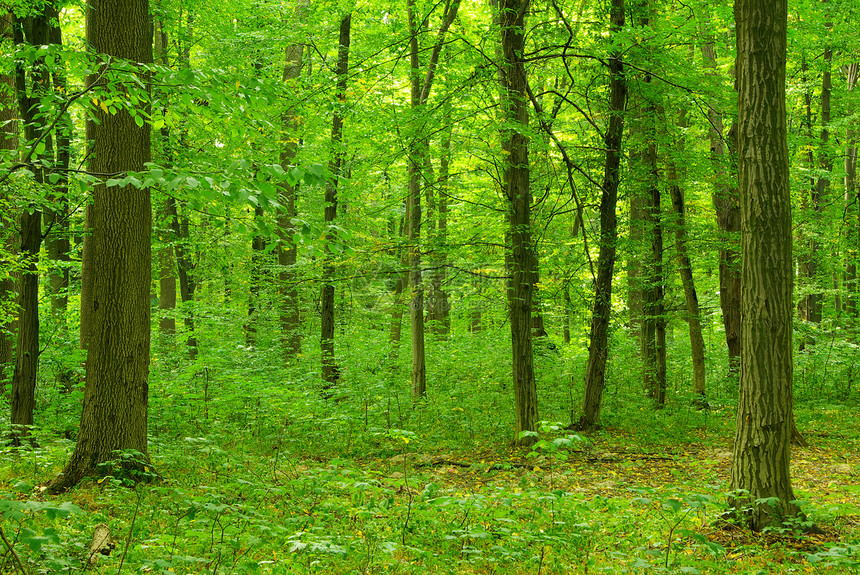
[(330, 371), (515, 185), (727, 204), (760, 466), (595, 371), (290, 317), (114, 415)]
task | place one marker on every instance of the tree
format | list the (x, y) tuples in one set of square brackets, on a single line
[(760, 468), (330, 371), (32, 85), (114, 414), (726, 204), (8, 147), (598, 350), (291, 336), (515, 186), (685, 265)]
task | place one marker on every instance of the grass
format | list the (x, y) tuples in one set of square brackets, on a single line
[(259, 474)]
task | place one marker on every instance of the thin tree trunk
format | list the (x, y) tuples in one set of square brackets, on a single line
[(57, 219), (258, 257), (515, 185), (330, 371), (166, 255), (8, 239), (851, 198), (31, 86), (290, 317), (685, 266), (727, 204), (598, 351), (418, 147), (185, 269)]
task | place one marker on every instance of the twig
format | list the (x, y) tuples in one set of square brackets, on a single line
[(130, 532), (12, 551)]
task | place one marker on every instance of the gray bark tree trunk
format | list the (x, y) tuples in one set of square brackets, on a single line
[(290, 304)]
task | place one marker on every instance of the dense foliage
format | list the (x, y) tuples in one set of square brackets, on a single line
[(258, 464)]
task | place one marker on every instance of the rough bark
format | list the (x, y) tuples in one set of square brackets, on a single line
[(290, 305), (114, 415), (595, 371), (330, 371), (760, 466), (515, 186)]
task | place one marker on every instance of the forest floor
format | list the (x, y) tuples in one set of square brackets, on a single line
[(624, 500)]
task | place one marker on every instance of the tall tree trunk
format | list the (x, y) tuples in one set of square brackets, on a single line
[(653, 342), (760, 466), (810, 261), (440, 275), (330, 371), (185, 271), (8, 239), (727, 204), (685, 266), (515, 185), (258, 262), (418, 147), (32, 85), (851, 198), (114, 415), (57, 218), (290, 317), (598, 351), (166, 255)]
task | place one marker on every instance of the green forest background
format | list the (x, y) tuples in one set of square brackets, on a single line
[(275, 449)]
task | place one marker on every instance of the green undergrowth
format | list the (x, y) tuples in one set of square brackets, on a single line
[(259, 473)]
